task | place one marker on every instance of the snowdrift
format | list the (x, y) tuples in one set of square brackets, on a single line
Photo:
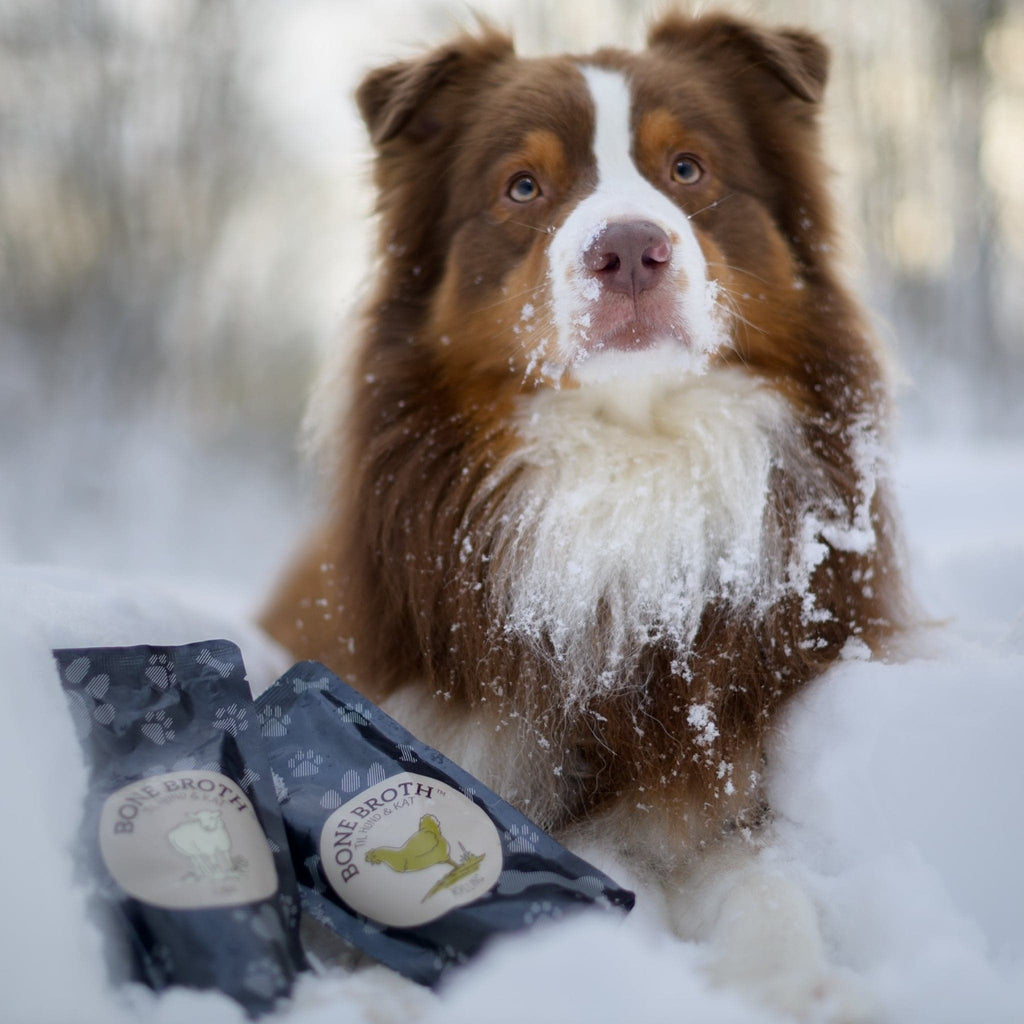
[(898, 789)]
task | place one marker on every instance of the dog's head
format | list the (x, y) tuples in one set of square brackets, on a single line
[(559, 218)]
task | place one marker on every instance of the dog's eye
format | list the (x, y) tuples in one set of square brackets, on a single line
[(686, 169), (523, 189)]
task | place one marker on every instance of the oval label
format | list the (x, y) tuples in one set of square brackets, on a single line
[(409, 849), (186, 840)]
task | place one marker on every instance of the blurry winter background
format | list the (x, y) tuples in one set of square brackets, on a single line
[(183, 234), (183, 231)]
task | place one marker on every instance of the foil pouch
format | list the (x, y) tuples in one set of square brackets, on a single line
[(182, 831), (397, 849)]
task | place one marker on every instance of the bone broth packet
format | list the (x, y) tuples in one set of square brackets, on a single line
[(182, 828), (397, 849)]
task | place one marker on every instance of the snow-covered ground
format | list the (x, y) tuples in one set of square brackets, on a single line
[(899, 787)]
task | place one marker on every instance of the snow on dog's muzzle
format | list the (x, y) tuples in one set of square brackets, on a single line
[(628, 276)]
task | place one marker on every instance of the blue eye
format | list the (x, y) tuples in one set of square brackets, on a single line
[(686, 169), (523, 189)]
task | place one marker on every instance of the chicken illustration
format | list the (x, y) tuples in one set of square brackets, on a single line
[(423, 849)]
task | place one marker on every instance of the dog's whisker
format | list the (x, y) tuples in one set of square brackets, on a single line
[(531, 290), (532, 227), (711, 206), (731, 307), (740, 270)]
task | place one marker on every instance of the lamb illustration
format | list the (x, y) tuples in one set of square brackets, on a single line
[(205, 841), (426, 847)]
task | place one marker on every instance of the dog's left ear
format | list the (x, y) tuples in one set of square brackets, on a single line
[(406, 100), (796, 59)]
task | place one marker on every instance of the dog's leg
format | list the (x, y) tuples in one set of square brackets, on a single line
[(306, 613), (763, 937), (501, 751)]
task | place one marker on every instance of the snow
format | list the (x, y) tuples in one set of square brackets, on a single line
[(699, 451), (898, 790)]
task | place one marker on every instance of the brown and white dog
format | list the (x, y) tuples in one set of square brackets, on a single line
[(609, 476)]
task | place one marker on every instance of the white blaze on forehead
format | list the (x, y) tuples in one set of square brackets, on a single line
[(624, 194), (613, 139)]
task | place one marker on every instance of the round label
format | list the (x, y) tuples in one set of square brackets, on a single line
[(409, 849), (186, 840)]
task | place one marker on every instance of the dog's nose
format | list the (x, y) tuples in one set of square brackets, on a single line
[(628, 256)]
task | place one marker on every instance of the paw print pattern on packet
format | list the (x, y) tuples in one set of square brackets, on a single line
[(262, 920), (264, 978), (81, 716), (305, 763), (274, 721), (77, 670), (331, 800), (159, 962), (104, 713), (449, 955), (158, 727), (160, 671), (356, 714), (522, 839), (541, 910), (291, 909), (96, 688), (266, 924), (231, 719)]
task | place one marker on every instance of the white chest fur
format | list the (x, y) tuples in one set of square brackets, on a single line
[(640, 503)]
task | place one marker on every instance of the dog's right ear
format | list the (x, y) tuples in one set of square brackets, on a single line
[(406, 100), (796, 60)]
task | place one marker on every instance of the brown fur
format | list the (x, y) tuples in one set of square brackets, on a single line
[(386, 593)]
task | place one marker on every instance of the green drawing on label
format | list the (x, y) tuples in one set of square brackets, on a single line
[(469, 864), (423, 849)]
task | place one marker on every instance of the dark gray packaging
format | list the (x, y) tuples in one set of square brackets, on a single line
[(182, 831), (397, 849)]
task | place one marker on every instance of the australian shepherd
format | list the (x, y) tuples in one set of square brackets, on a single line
[(610, 468)]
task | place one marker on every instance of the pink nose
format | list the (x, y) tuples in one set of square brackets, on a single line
[(629, 256)]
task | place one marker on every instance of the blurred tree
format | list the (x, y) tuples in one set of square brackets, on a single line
[(169, 218), (131, 141), (968, 292)]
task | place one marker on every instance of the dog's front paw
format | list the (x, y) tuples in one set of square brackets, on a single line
[(766, 943)]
